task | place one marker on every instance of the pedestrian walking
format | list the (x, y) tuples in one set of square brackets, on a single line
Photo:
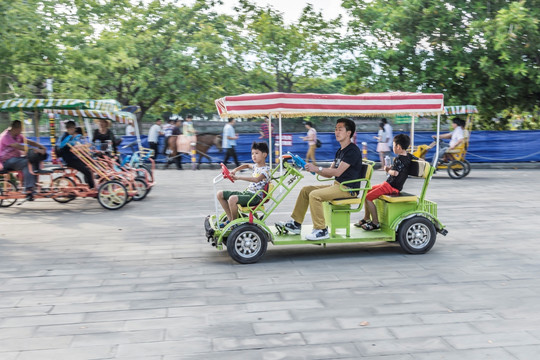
[(229, 142)]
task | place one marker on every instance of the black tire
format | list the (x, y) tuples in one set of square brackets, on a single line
[(417, 235), (62, 182), (5, 187), (456, 169), (142, 188), (112, 195), (247, 243), (148, 168), (467, 167)]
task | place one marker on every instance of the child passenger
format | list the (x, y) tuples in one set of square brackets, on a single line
[(230, 200), (397, 174)]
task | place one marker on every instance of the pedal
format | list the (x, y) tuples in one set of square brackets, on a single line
[(280, 226)]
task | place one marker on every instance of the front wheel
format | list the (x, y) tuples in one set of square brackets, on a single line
[(246, 244), (456, 169), (417, 235), (112, 195)]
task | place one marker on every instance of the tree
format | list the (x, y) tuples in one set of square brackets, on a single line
[(280, 57), (460, 48)]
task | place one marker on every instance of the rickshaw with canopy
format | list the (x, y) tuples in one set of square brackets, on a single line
[(458, 167), (409, 219), (62, 184)]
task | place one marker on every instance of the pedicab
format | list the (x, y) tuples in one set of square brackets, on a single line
[(411, 220), (61, 184), (458, 167)]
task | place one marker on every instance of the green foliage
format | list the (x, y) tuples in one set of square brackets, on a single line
[(167, 57)]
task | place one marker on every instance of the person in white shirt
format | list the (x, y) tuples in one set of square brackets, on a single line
[(311, 138), (229, 142), (388, 133), (153, 137), (130, 129), (456, 137)]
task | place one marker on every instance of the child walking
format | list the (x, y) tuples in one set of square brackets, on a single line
[(230, 200), (397, 174)]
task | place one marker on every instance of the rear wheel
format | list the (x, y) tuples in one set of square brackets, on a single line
[(456, 169), (5, 188), (417, 235), (62, 184), (467, 167), (246, 244), (112, 195), (142, 189)]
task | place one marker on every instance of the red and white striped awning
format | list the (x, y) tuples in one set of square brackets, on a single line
[(299, 105), (118, 116)]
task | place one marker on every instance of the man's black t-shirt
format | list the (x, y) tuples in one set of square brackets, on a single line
[(402, 163), (352, 156)]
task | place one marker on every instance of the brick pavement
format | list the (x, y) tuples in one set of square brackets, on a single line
[(81, 282)]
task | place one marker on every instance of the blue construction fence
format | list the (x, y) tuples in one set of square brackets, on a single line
[(484, 146)]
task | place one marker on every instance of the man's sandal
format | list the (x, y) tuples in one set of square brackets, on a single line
[(371, 226), (361, 223)]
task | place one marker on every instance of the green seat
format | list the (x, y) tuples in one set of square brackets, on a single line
[(337, 212)]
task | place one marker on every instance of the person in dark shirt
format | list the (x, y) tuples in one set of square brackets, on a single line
[(104, 134), (397, 174), (347, 165)]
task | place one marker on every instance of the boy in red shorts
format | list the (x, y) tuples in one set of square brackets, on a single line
[(397, 174)]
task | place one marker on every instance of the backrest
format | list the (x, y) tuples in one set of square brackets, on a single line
[(423, 169)]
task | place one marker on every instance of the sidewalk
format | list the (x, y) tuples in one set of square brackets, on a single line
[(79, 282)]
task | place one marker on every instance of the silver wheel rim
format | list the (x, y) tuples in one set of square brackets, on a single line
[(247, 244), (418, 236), (113, 195)]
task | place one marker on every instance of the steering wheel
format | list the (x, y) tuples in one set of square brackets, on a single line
[(226, 173)]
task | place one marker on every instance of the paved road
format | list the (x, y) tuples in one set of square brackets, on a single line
[(81, 282)]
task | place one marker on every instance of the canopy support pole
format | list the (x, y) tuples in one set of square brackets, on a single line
[(412, 133), (436, 158), (280, 146), (270, 141)]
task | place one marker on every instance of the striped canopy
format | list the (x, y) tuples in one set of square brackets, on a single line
[(460, 109), (33, 104), (299, 105), (105, 105), (118, 116)]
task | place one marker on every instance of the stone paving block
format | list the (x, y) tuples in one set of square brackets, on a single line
[(43, 343), (424, 330), (192, 346), (476, 354), (248, 316), (283, 327), (17, 333), (82, 353), (257, 342), (115, 338), (280, 305), (79, 328), (500, 339), (370, 320), (528, 352), (406, 308), (22, 321), (90, 307), (25, 311), (471, 316), (125, 315), (401, 346), (331, 336), (165, 303)]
